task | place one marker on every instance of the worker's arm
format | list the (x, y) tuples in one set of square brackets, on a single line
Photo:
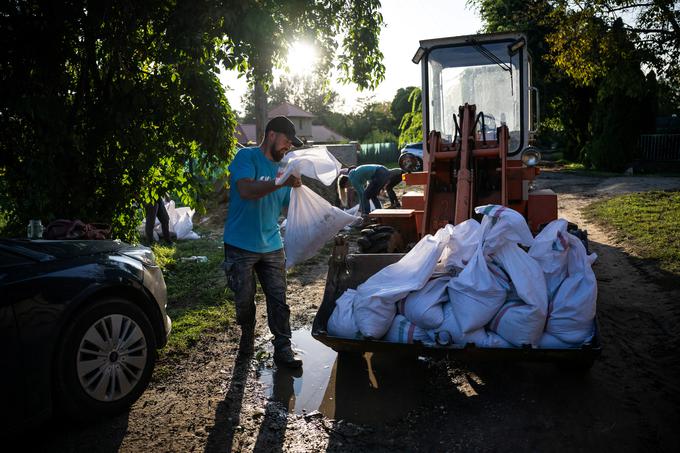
[(249, 189)]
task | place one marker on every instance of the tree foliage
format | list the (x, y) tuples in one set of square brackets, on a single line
[(401, 105), (411, 127), (119, 101), (107, 108), (586, 59), (345, 34)]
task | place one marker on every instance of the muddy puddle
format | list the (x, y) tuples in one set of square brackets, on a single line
[(369, 388)]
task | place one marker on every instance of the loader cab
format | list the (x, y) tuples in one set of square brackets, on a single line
[(477, 124), (490, 71)]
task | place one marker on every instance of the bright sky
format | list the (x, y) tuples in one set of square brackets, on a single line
[(406, 23)]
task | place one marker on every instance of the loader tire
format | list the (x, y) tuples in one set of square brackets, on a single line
[(380, 239), (583, 236)]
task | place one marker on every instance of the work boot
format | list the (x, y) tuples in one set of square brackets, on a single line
[(287, 358)]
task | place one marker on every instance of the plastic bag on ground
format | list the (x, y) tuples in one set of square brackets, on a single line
[(179, 223), (404, 331), (355, 209), (341, 323), (550, 249), (311, 222), (374, 304), (450, 332), (316, 162), (571, 313), (424, 307)]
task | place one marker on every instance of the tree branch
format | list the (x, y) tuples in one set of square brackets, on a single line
[(623, 8)]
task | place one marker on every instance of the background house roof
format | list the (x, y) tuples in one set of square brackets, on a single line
[(288, 110), (245, 133), (323, 134)]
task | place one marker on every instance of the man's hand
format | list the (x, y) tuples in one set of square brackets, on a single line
[(292, 181)]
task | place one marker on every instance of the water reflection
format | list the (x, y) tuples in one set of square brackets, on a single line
[(368, 388)]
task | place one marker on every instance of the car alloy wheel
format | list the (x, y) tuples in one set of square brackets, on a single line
[(111, 357), (105, 358)]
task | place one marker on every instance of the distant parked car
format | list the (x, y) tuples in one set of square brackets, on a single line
[(411, 157), (80, 323)]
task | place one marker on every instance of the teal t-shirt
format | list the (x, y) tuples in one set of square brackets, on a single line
[(253, 224), (361, 175)]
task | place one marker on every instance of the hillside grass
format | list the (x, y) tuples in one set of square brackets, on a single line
[(648, 223)]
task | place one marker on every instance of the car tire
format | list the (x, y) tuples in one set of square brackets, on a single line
[(105, 359)]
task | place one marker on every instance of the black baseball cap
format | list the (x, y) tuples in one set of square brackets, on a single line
[(285, 126)]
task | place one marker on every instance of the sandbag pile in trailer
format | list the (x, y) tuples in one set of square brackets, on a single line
[(476, 283)]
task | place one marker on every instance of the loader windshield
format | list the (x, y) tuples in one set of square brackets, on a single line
[(481, 74)]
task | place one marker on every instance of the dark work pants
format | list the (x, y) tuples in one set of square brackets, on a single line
[(240, 267), (375, 185), (395, 178), (153, 211)]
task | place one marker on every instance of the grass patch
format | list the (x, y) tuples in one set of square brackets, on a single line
[(647, 222), (574, 166), (198, 299)]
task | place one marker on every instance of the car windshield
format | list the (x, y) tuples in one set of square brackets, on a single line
[(481, 74)]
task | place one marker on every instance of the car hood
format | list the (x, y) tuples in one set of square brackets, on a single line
[(44, 250)]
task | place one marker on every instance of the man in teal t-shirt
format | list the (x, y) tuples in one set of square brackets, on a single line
[(252, 241)]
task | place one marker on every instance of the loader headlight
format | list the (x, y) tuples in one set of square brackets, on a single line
[(531, 156)]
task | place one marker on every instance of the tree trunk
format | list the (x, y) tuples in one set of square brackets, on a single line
[(260, 110)]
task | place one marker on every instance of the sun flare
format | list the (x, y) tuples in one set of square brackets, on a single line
[(301, 58)]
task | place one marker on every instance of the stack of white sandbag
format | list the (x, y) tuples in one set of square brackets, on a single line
[(476, 284)]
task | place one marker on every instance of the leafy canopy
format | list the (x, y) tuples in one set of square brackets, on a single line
[(118, 102)]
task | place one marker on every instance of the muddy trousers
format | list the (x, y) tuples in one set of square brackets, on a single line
[(395, 178), (375, 185), (240, 267)]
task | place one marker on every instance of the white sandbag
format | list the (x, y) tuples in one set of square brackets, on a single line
[(374, 304), (502, 225), (478, 292), (459, 250), (450, 332), (550, 250), (424, 307), (571, 313), (316, 162), (341, 322), (355, 210), (522, 318), (404, 331), (518, 322), (311, 222)]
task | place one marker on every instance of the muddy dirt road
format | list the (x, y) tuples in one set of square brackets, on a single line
[(630, 400)]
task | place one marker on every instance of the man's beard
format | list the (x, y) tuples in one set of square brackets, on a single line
[(277, 155)]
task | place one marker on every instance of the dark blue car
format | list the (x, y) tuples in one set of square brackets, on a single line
[(411, 157), (80, 323)]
